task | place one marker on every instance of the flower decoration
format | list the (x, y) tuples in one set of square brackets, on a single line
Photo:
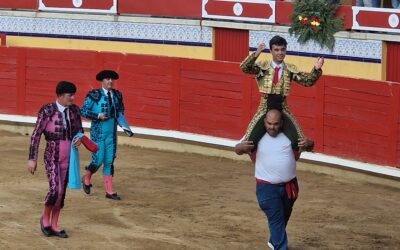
[(315, 20)]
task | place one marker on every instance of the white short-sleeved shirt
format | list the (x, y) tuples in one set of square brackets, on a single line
[(275, 160)]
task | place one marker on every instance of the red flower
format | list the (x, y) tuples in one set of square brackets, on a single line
[(315, 22), (315, 19), (304, 21)]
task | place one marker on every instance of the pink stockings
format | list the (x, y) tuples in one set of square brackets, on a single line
[(54, 213), (108, 184), (46, 215), (88, 175), (107, 181)]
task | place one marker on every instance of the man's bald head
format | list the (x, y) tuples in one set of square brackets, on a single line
[(274, 114), (273, 122)]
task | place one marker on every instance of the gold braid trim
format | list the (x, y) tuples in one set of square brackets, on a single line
[(262, 110), (265, 79)]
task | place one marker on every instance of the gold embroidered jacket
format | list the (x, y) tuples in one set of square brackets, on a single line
[(265, 72)]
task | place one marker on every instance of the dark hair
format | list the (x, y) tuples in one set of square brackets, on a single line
[(277, 40), (64, 87)]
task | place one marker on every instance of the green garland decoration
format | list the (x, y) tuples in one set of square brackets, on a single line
[(315, 20)]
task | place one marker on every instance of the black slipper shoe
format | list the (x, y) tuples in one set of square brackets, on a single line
[(61, 234), (86, 188), (45, 230), (113, 196)]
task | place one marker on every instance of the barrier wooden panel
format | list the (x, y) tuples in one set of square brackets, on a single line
[(45, 67), (8, 80), (146, 83), (357, 115), (351, 118), (302, 103), (211, 98)]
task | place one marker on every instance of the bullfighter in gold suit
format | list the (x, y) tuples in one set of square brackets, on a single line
[(274, 80)]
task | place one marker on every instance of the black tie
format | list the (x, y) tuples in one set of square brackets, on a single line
[(68, 124), (110, 103)]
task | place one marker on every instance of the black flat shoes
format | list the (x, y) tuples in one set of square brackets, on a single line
[(86, 188), (61, 234), (45, 230), (50, 232), (113, 196)]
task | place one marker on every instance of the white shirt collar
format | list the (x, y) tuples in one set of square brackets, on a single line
[(277, 65), (106, 91), (60, 107)]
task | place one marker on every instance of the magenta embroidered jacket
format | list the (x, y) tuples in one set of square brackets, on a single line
[(50, 123)]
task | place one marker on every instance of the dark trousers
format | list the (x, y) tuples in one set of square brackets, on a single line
[(274, 200)]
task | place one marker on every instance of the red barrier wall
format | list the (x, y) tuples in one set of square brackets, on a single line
[(351, 118)]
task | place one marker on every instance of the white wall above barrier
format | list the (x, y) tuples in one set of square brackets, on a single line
[(87, 6)]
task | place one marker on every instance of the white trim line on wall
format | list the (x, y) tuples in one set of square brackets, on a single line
[(350, 164), (112, 10)]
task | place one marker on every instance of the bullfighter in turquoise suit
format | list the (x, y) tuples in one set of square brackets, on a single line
[(105, 108)]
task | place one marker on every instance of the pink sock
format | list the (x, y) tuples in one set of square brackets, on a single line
[(46, 215), (54, 219), (108, 184), (87, 177)]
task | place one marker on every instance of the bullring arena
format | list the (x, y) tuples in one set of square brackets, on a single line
[(177, 200), (188, 103)]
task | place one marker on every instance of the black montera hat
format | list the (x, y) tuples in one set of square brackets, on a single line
[(65, 87), (107, 74)]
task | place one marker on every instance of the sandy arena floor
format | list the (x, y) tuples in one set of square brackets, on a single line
[(188, 201)]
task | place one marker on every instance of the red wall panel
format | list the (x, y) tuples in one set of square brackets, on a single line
[(357, 118), (8, 80), (346, 12), (20, 4), (351, 118), (283, 11), (172, 8), (211, 98), (87, 4), (393, 62), (231, 44)]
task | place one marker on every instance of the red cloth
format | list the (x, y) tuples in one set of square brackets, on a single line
[(89, 145), (263, 182), (276, 75), (253, 156), (291, 191)]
